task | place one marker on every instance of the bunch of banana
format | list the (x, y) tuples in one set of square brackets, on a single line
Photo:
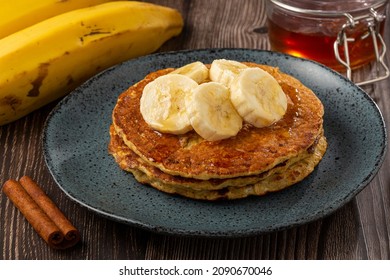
[(213, 102), (47, 60), (19, 14)]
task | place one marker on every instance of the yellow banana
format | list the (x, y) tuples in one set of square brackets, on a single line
[(45, 61), (19, 14)]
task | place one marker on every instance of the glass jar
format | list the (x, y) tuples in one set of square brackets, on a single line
[(343, 35)]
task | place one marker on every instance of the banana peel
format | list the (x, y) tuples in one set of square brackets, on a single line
[(20, 14)]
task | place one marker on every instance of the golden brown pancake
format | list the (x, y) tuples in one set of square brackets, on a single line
[(278, 178), (128, 160), (252, 152)]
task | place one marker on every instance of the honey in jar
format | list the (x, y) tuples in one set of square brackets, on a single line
[(313, 29)]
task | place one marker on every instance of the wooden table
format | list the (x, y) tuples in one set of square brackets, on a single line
[(359, 230)]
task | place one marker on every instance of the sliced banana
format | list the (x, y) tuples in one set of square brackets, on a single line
[(258, 97), (225, 71), (162, 103), (211, 113), (195, 70)]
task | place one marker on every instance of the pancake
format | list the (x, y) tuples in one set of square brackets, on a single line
[(276, 179), (129, 161), (251, 152)]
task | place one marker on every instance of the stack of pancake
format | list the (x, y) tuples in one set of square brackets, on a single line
[(254, 162)]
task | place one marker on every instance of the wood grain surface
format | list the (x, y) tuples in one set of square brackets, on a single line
[(359, 230)]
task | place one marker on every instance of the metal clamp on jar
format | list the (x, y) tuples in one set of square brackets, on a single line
[(344, 35)]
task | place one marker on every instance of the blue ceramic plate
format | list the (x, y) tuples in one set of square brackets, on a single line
[(76, 138)]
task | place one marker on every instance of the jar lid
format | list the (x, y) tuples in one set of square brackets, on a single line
[(329, 8)]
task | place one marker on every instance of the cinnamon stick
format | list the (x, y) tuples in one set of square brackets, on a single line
[(41, 212)]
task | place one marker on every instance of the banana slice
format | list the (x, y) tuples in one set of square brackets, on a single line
[(258, 97), (163, 103), (195, 70), (225, 71), (211, 112)]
